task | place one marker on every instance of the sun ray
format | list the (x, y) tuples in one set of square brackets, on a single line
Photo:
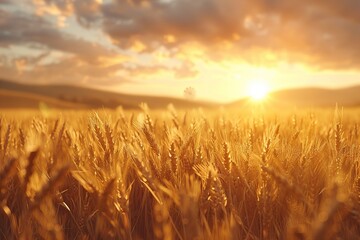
[(258, 90)]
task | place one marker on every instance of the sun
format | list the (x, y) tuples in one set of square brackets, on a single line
[(258, 90)]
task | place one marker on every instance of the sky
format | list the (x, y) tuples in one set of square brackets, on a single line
[(161, 47)]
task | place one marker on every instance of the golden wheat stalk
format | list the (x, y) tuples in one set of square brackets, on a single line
[(53, 184)]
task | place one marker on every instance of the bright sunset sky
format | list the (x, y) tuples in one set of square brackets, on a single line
[(160, 47)]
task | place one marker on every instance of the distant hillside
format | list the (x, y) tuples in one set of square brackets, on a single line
[(13, 99), (63, 96), (310, 97), (17, 95)]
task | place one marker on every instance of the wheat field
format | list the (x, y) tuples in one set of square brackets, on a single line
[(171, 174)]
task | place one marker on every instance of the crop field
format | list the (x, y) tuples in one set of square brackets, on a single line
[(211, 174)]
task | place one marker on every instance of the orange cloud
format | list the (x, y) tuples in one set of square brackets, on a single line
[(175, 37), (316, 33)]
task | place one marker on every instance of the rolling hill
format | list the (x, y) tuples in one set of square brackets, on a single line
[(309, 97), (318, 97), (14, 99), (17, 95)]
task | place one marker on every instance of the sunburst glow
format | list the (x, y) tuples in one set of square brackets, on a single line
[(258, 89)]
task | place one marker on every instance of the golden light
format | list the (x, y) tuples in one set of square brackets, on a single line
[(258, 90)]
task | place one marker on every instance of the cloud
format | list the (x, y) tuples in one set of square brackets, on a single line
[(68, 70), (202, 20), (323, 34), (32, 30), (5, 2), (186, 69), (61, 56), (86, 12)]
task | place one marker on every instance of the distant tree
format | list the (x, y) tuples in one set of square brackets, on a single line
[(189, 93)]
